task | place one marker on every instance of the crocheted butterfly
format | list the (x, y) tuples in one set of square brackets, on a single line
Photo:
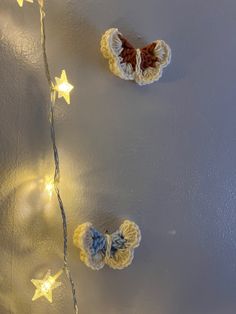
[(144, 66), (115, 250)]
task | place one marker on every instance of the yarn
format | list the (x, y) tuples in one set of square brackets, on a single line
[(144, 66), (115, 250)]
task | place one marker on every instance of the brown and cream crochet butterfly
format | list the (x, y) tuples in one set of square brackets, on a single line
[(144, 66)]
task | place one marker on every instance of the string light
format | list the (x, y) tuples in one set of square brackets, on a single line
[(45, 286), (21, 2), (63, 87)]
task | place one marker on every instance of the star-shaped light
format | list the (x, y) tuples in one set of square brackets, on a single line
[(21, 2), (49, 185), (63, 87), (45, 286)]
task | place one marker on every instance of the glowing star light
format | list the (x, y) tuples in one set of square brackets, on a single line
[(45, 286), (49, 186), (21, 2), (63, 87)]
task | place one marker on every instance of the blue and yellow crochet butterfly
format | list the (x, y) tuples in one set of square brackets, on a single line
[(115, 250)]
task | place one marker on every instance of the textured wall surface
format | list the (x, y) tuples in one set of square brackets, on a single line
[(163, 156)]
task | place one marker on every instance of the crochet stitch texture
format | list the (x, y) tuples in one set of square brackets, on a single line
[(144, 66), (115, 250)]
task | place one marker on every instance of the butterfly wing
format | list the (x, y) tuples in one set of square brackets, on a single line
[(123, 256), (150, 62), (121, 259), (91, 243), (120, 54)]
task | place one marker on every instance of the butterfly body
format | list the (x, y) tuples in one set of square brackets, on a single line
[(144, 66)]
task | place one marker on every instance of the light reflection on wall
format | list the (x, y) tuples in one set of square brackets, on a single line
[(35, 224), (34, 191)]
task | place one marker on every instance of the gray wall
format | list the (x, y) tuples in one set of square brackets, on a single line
[(163, 156)]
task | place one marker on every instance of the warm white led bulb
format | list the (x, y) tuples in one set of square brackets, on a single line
[(63, 87), (45, 286), (21, 2), (49, 186)]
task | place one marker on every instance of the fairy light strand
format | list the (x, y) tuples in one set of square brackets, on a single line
[(55, 153)]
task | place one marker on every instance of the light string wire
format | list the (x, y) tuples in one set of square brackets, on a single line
[(66, 267)]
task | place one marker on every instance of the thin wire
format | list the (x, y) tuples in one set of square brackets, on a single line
[(55, 153)]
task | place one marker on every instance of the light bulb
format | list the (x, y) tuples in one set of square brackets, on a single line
[(49, 186), (21, 2), (45, 286), (63, 87)]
